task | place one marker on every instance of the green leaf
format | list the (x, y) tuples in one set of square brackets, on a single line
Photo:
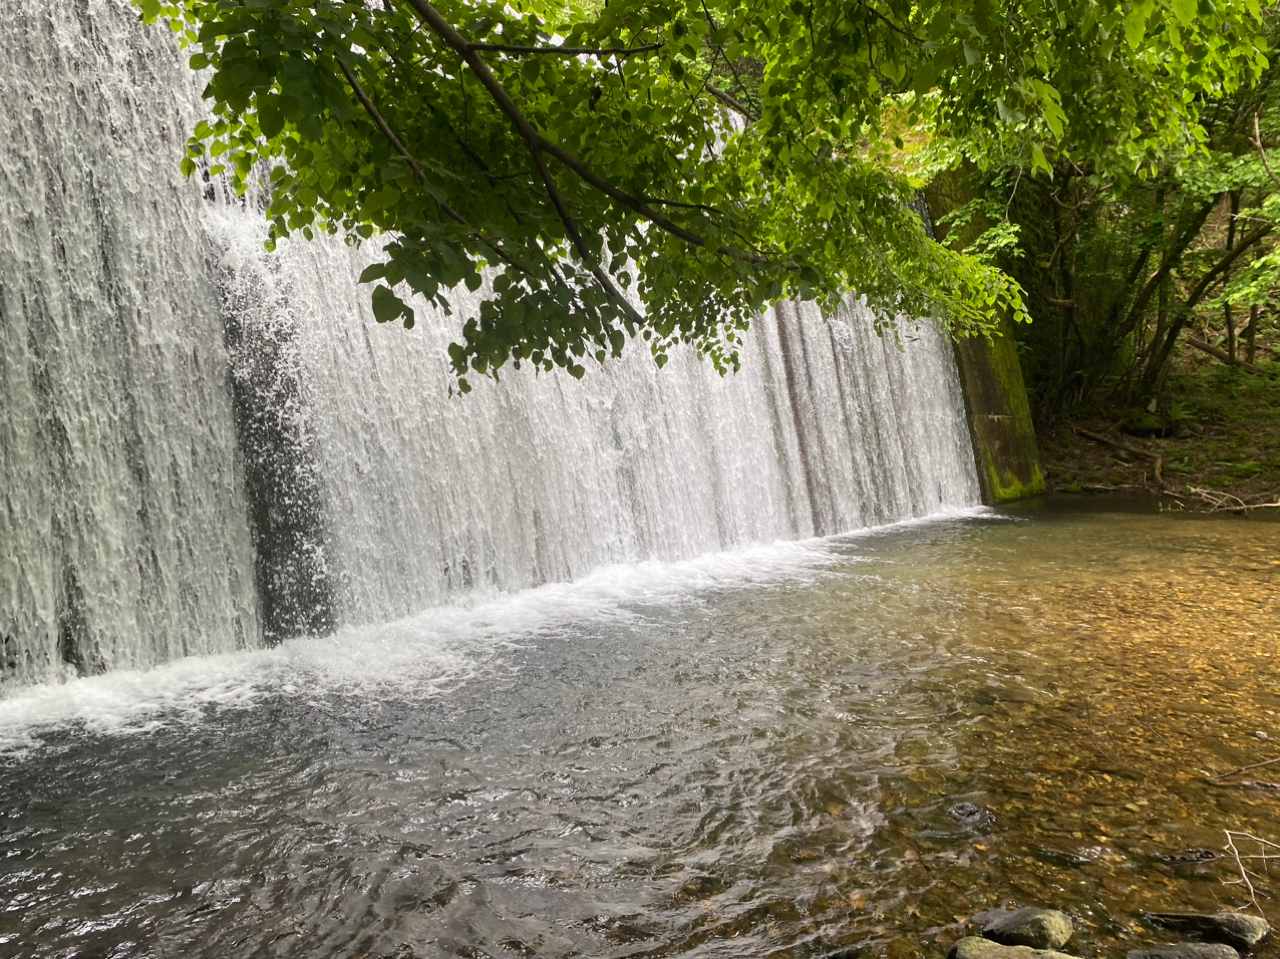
[(1135, 24), (1038, 161), (270, 120), (386, 305)]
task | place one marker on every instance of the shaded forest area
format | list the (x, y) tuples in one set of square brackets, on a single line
[(1154, 356)]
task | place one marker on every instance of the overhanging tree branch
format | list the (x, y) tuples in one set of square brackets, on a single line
[(533, 142), (732, 102), (380, 122), (539, 145)]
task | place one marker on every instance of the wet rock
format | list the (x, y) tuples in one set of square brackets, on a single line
[(1242, 932), (1191, 855), (1057, 857), (1028, 926), (971, 947), (1262, 787), (975, 947), (701, 887), (971, 814), (1185, 950)]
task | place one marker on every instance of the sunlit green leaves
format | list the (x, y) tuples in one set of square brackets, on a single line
[(363, 120)]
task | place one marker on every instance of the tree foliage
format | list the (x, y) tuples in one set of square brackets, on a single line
[(1119, 269), (666, 168)]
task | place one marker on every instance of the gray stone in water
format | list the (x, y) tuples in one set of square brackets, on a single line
[(975, 947), (1186, 950), (971, 814), (1190, 855), (1029, 926), (1242, 932)]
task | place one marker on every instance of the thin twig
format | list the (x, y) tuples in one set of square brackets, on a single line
[(569, 51), (155, 928), (1257, 141), (1228, 502), (1245, 873), (1268, 762)]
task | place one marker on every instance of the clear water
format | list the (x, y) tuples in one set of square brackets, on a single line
[(748, 754)]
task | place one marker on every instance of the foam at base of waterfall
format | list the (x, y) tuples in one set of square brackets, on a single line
[(420, 656)]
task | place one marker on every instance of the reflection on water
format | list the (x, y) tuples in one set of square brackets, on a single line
[(765, 767)]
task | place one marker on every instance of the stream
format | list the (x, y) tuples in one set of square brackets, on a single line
[(840, 747)]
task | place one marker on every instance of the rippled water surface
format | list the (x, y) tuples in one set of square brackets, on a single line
[(836, 748)]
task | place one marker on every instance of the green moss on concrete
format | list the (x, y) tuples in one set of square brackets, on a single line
[(1004, 437), (1006, 487)]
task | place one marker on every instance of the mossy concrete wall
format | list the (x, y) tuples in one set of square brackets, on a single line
[(1004, 438)]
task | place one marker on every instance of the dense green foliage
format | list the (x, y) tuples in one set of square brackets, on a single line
[(584, 153), (1119, 270)]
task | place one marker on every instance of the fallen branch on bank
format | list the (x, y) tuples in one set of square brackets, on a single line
[(1206, 347), (1112, 487), (1221, 501), (1157, 460)]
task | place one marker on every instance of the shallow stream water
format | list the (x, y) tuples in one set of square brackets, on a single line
[(841, 747)]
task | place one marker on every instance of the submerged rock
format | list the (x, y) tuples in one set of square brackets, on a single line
[(1028, 926), (1190, 855), (1234, 929), (1059, 857), (976, 947), (971, 814), (1186, 950)]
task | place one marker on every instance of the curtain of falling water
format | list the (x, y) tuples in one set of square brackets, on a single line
[(205, 445), (123, 534), (827, 428)]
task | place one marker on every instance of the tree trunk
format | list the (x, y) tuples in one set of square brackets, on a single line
[(1186, 311), (1226, 278)]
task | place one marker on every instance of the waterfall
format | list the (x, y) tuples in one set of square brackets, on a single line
[(206, 447), (124, 539)]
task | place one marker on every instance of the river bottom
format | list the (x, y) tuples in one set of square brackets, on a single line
[(845, 756)]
